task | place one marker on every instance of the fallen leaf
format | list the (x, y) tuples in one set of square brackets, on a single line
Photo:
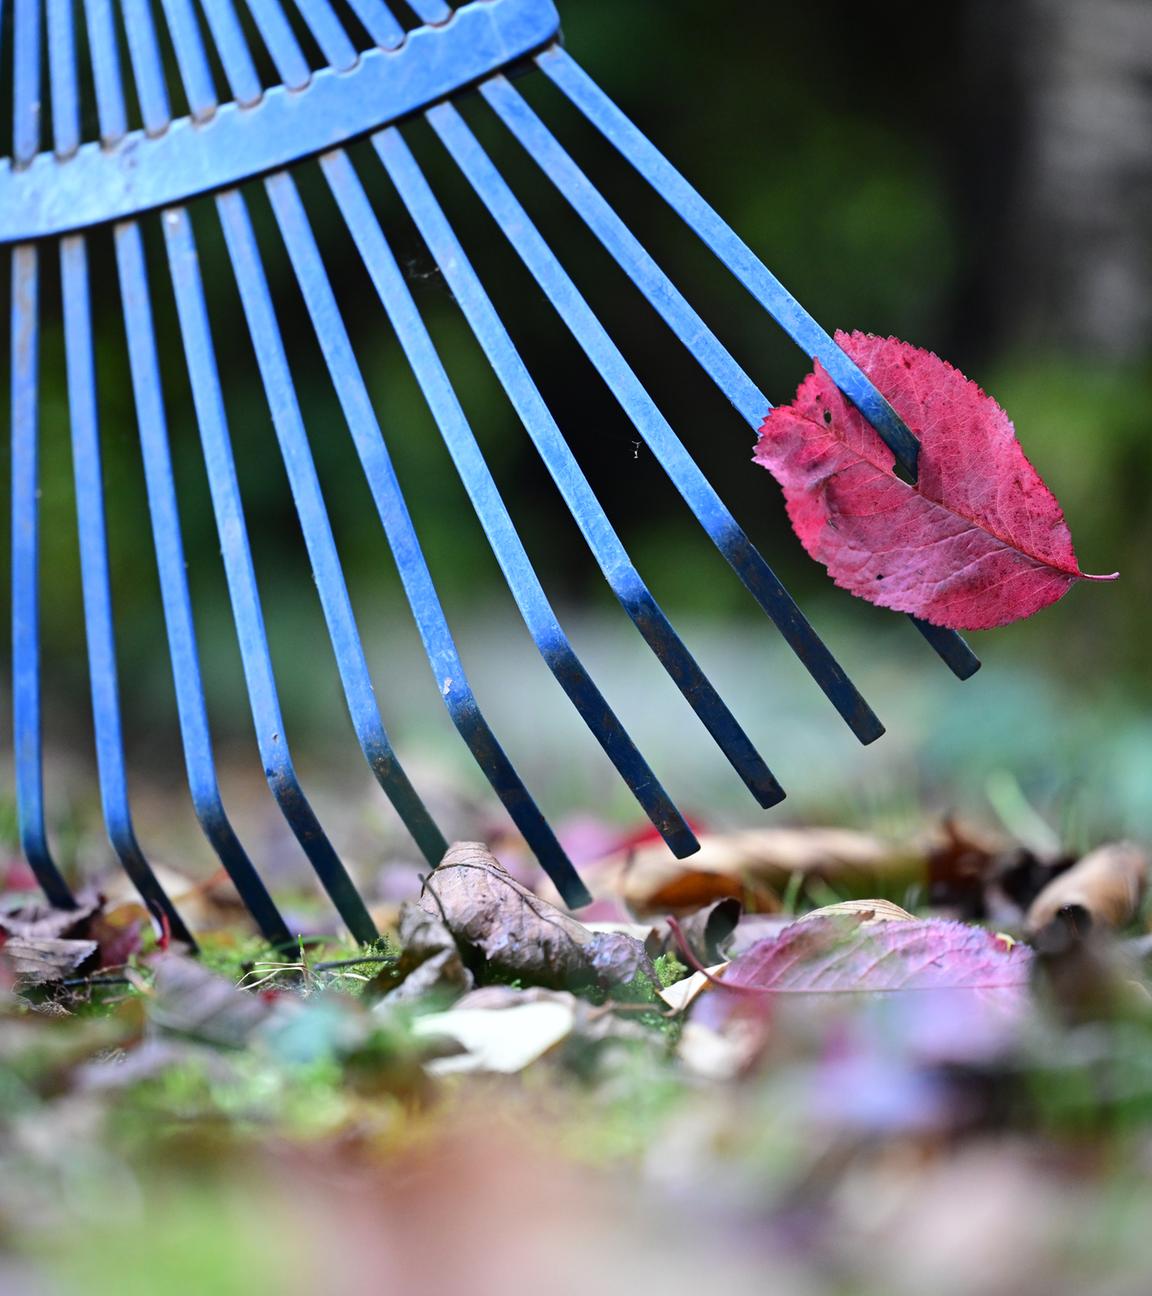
[(755, 867), (869, 911), (977, 542), (429, 960), (503, 1033), (43, 959), (194, 1003), (37, 919), (1107, 885), (682, 993), (850, 953), (506, 931)]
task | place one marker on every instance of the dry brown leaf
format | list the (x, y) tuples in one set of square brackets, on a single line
[(42, 959), (755, 867), (1107, 885), (504, 929), (869, 911)]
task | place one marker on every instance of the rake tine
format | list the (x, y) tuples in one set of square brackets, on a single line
[(191, 58), (329, 33), (148, 394), (539, 142), (94, 576), (615, 126), (306, 493), (556, 163), (236, 58), (147, 68), (104, 53), (64, 91), (281, 43), (432, 12), (26, 82), (585, 508), (96, 585), (25, 344), (379, 22), (208, 399), (514, 562), (26, 720), (685, 473), (397, 523)]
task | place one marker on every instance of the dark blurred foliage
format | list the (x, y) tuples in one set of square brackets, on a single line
[(964, 178)]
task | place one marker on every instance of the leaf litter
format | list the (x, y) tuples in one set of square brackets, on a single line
[(814, 1077)]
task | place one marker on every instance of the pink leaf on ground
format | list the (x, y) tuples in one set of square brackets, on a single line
[(978, 541), (847, 953)]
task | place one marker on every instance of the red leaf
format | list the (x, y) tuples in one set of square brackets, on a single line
[(841, 953), (978, 541)]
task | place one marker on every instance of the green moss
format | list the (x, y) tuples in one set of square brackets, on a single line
[(670, 970)]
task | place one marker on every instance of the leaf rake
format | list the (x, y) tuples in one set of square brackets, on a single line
[(382, 68)]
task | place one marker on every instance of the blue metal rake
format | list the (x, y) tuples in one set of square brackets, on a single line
[(53, 203)]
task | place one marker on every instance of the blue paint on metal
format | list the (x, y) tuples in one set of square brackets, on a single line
[(62, 79), (379, 22), (443, 657), (602, 539), (587, 96), (490, 509), (272, 361), (281, 43), (208, 398), (147, 67), (431, 11), (328, 33), (25, 82), (707, 506), (191, 58), (215, 147), (235, 56), (164, 510), (26, 719), (105, 59), (96, 585), (189, 158)]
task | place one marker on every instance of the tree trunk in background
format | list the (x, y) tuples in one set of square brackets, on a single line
[(1079, 242)]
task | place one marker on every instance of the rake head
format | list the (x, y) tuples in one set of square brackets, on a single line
[(133, 183)]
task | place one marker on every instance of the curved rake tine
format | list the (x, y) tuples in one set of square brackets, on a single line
[(25, 344), (148, 71), (96, 585), (281, 43), (147, 68), (235, 56), (104, 54), (26, 82), (64, 89), (430, 11), (491, 511), (709, 510), (148, 394), (26, 719), (272, 362), (582, 503), (191, 58), (208, 398), (615, 126), (379, 22), (397, 523), (328, 33)]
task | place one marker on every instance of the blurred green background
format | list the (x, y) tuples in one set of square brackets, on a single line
[(968, 182)]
